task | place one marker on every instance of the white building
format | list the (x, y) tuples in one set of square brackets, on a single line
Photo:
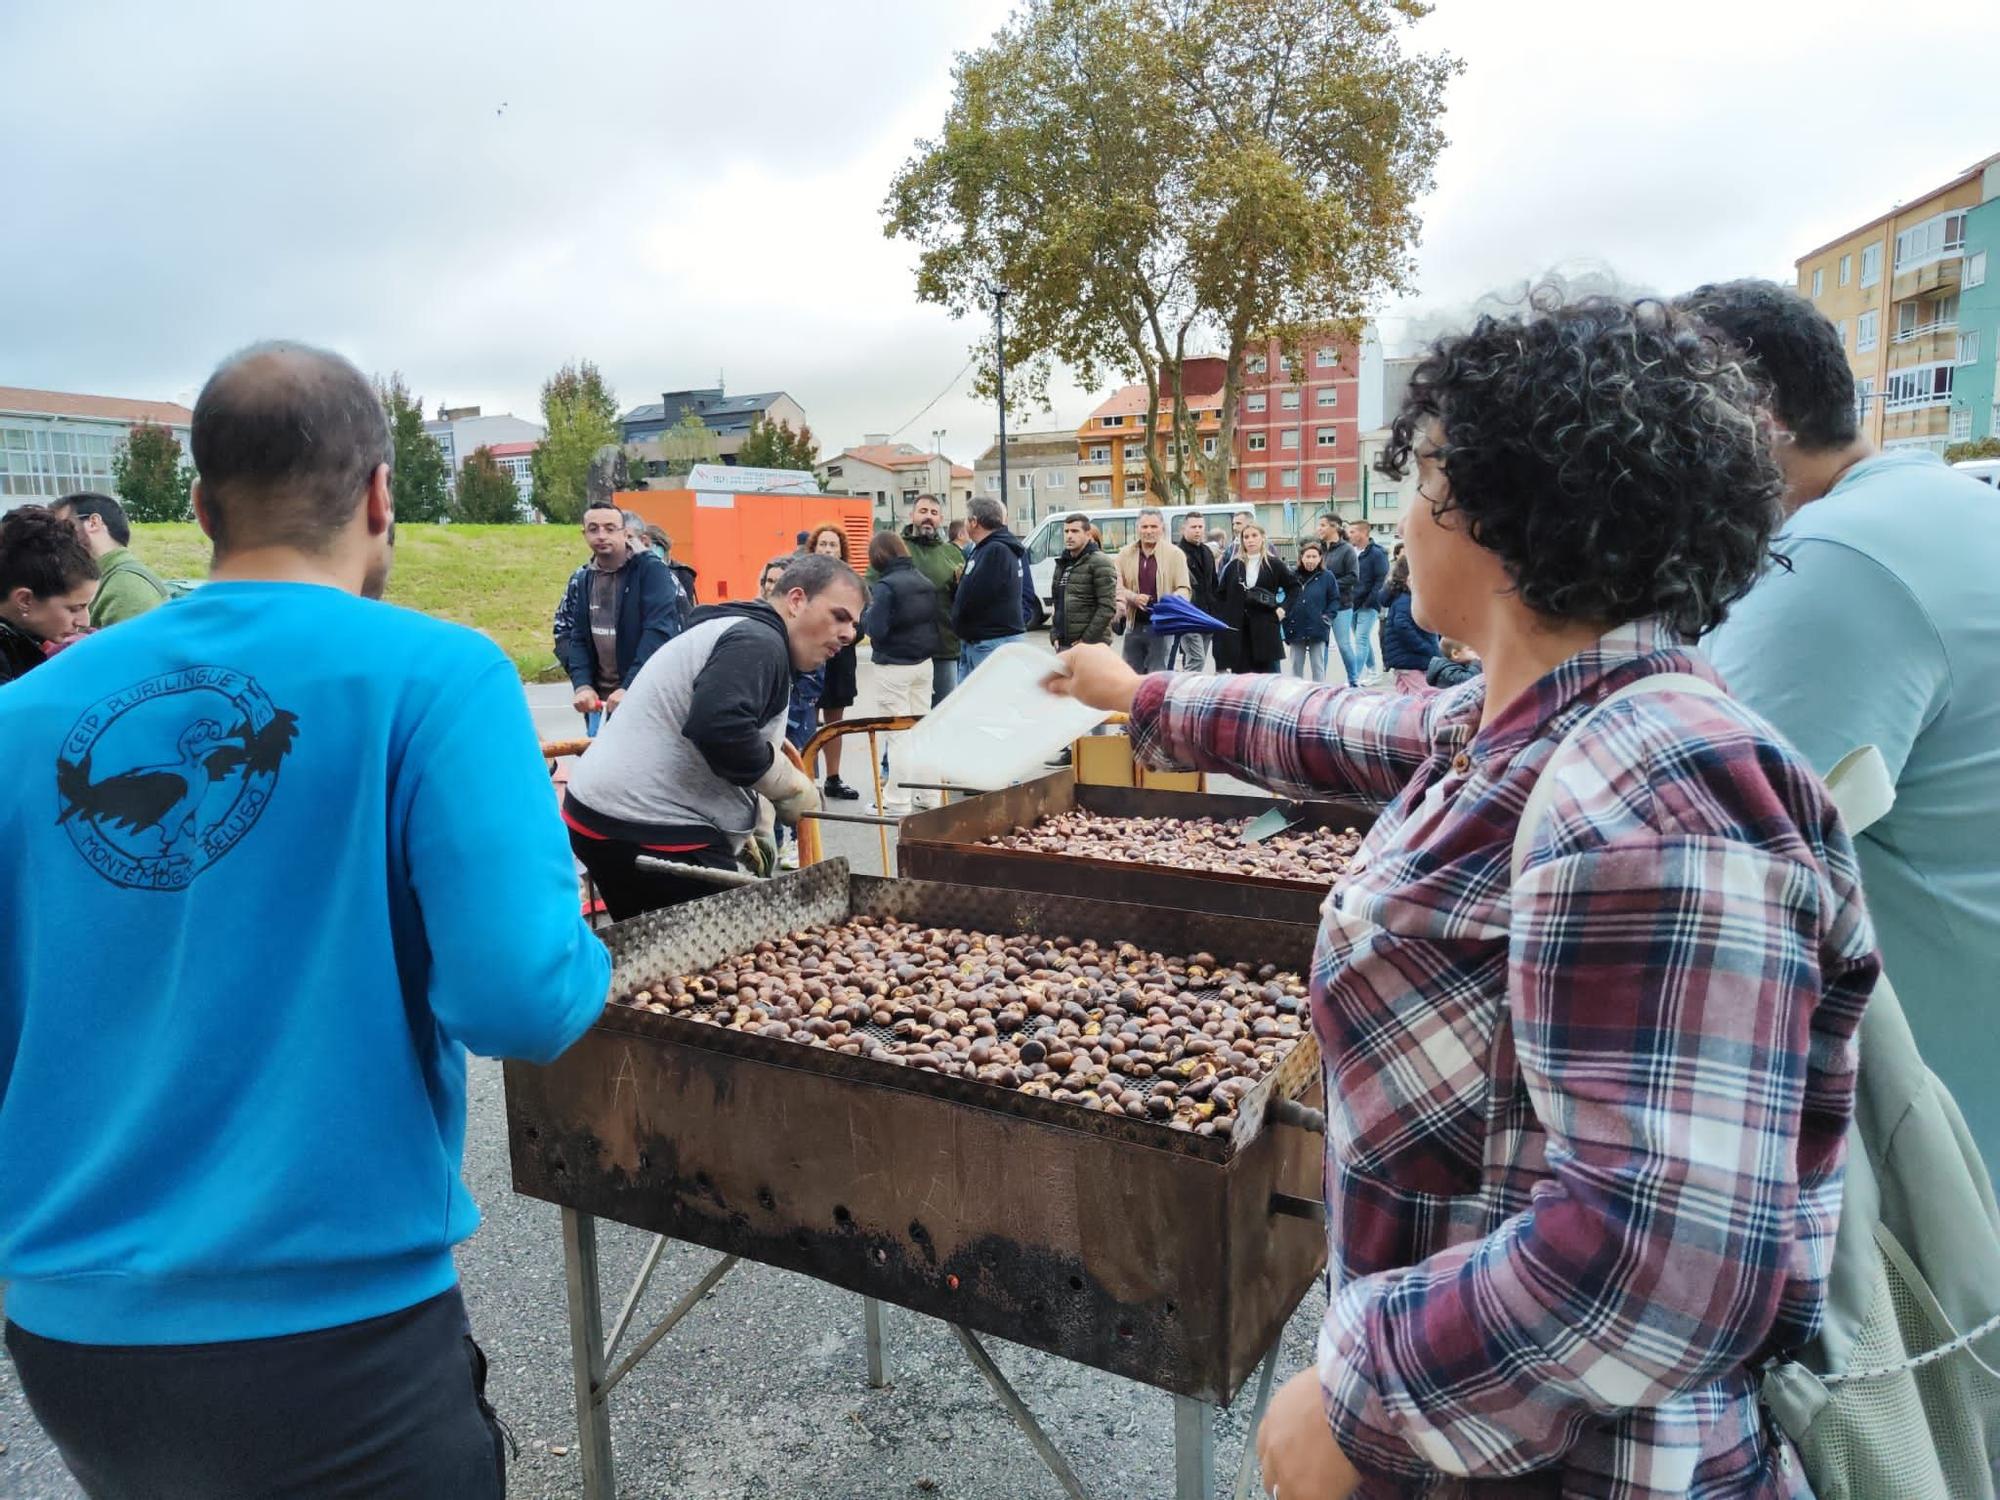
[(1042, 472), (54, 443), (893, 475), (463, 428)]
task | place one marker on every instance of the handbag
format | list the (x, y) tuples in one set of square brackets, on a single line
[(1892, 1400), (1262, 598)]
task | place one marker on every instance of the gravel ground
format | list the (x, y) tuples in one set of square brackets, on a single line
[(762, 1390)]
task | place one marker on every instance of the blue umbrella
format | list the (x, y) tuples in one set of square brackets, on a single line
[(1173, 615)]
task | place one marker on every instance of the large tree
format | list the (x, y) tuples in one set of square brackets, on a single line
[(152, 482), (581, 417), (773, 445), (420, 479), (486, 493), (1152, 179)]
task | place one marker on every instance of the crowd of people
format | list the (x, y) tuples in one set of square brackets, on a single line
[(1588, 1004)]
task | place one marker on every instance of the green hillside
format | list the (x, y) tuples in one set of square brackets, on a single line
[(503, 581)]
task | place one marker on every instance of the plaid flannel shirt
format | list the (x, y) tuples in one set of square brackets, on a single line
[(1584, 1134)]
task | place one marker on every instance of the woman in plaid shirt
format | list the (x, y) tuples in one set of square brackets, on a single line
[(1584, 1131)]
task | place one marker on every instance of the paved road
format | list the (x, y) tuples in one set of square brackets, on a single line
[(761, 1392)]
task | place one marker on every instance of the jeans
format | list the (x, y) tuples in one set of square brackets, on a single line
[(901, 693), (1343, 637), (1309, 660), (1192, 653), (972, 653), (944, 677), (630, 889), (1144, 651), (392, 1407), (1364, 642)]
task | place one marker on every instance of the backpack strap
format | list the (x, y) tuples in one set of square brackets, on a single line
[(1544, 791)]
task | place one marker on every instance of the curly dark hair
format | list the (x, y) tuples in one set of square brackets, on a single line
[(1794, 349), (41, 552), (1615, 456)]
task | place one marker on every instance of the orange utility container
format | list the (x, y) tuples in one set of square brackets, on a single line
[(727, 538)]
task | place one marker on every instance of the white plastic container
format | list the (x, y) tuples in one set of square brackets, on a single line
[(999, 726)]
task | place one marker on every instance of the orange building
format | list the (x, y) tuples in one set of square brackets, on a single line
[(1111, 444)]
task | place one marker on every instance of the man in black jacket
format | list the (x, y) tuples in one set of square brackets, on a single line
[(1371, 566), (1340, 562), (619, 608), (987, 613), (901, 622), (1193, 647), (677, 774), (1085, 591)]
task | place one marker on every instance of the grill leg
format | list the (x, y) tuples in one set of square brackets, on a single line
[(1050, 1455), (1249, 1459), (1194, 1448), (586, 1342), (871, 1318)]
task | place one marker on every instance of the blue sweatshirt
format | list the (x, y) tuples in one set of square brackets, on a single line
[(277, 857)]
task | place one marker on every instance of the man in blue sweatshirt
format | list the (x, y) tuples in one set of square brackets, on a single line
[(314, 843)]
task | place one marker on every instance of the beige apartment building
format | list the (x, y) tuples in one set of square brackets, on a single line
[(1891, 289)]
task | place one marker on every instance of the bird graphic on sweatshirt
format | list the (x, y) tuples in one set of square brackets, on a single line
[(167, 797)]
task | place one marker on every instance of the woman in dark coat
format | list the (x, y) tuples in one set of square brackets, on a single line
[(1251, 590), (841, 686), (1407, 648), (1309, 609), (47, 580)]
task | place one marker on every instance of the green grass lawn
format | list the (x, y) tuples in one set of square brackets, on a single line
[(503, 581)]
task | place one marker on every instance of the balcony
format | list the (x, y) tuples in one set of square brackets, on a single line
[(1928, 330), (1937, 275)]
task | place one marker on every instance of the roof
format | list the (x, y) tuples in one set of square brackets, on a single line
[(1959, 181), (104, 408), (511, 450), (1130, 401), (897, 456), (708, 405), (1061, 441)]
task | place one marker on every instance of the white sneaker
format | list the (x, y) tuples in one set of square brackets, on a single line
[(788, 857)]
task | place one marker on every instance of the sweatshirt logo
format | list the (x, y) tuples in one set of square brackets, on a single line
[(161, 779)]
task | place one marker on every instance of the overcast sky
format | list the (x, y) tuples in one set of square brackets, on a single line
[(472, 193)]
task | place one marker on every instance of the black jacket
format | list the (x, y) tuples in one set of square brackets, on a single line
[(1086, 597), (1371, 568), (19, 652), (1259, 637), (901, 617), (1201, 574), (1339, 560), (649, 616), (988, 604), (744, 684), (1406, 645)]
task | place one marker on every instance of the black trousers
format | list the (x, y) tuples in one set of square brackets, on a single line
[(393, 1408), (630, 890)]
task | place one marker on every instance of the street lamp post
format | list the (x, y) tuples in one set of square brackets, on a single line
[(999, 296)]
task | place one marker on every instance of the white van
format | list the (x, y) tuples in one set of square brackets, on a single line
[(1985, 470)]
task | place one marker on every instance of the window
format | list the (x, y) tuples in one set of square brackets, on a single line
[(1052, 479), (1135, 486), (1938, 236), (1968, 348), (1289, 438), (1289, 400), (1975, 270), (1819, 283), (1289, 478), (1840, 332), (992, 484), (1132, 451), (1025, 480), (1208, 446), (1871, 264), (1846, 269), (1256, 479), (1961, 422), (1326, 359), (1255, 403), (1323, 478), (1114, 421), (1100, 455), (1866, 330), (1327, 396), (1256, 442), (1917, 386), (1864, 392), (1258, 364), (1917, 317), (1328, 437)]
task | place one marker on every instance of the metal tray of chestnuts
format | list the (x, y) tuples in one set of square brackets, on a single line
[(1036, 1116), (1137, 844)]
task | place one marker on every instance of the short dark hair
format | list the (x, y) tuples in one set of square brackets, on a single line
[(1326, 517), (954, 528), (591, 505), (286, 438), (41, 552), (1614, 456), (1789, 344), (109, 511), (884, 547), (816, 574), (1076, 518)]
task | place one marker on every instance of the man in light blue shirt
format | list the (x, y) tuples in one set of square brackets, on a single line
[(1885, 631)]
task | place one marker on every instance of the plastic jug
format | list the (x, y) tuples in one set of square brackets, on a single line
[(999, 726)]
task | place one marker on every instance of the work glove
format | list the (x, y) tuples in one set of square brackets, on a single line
[(791, 791), (760, 855)]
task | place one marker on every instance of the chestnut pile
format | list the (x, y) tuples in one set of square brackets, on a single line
[(1107, 1027), (1215, 845)]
